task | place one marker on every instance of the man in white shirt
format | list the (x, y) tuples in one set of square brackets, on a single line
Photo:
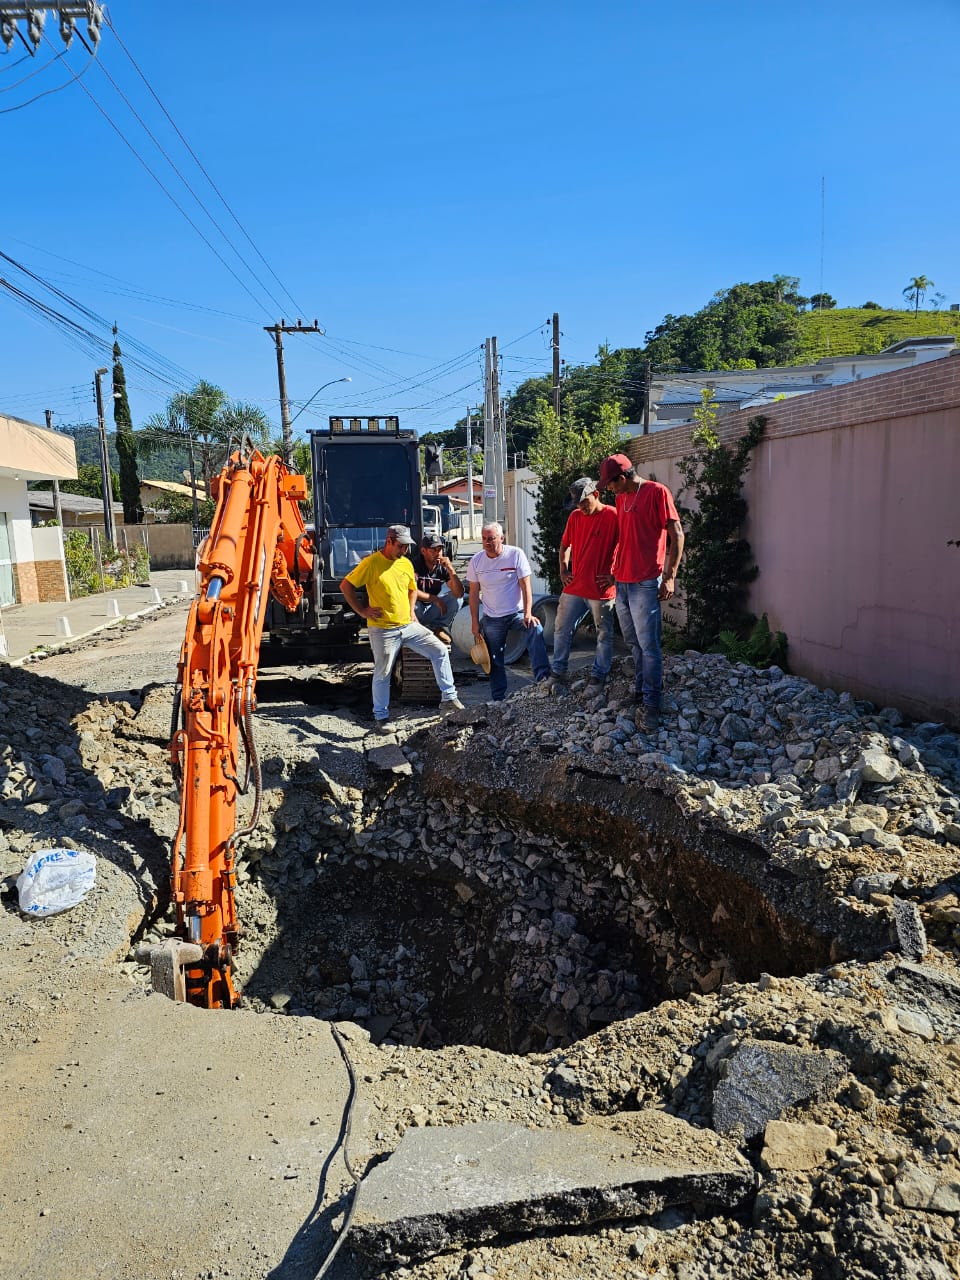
[(499, 575)]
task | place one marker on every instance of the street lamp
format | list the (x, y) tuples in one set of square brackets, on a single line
[(105, 481), (313, 397)]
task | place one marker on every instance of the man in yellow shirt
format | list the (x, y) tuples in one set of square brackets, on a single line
[(391, 587)]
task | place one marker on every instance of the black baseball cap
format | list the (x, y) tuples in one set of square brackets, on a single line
[(431, 540)]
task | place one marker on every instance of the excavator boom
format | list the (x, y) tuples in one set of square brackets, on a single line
[(257, 546)]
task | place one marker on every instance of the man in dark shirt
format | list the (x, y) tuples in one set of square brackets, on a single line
[(439, 590)]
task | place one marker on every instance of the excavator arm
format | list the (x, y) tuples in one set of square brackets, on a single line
[(256, 547)]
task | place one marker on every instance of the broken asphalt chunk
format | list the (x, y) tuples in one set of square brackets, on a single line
[(446, 1188), (762, 1078)]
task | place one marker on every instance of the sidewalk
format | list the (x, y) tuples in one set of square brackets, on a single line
[(27, 627)]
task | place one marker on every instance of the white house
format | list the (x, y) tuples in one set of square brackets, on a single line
[(31, 560), (675, 396)]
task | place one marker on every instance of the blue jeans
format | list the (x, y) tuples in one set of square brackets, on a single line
[(429, 614), (495, 632), (638, 608), (569, 612), (386, 643)]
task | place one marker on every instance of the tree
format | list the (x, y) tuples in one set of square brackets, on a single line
[(126, 442), (871, 306), (746, 326), (916, 289), (822, 302), (178, 509), (560, 452), (89, 482), (208, 424)]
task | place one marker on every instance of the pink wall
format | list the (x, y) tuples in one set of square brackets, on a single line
[(853, 497)]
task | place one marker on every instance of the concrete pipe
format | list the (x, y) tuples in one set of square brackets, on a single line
[(461, 633), (545, 611)]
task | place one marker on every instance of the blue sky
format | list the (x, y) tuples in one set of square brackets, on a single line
[(421, 177)]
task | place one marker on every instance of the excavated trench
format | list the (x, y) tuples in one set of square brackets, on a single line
[(523, 919)]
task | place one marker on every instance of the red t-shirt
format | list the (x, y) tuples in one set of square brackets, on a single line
[(643, 519), (591, 540)]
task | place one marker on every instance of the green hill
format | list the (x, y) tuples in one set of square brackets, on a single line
[(851, 331)]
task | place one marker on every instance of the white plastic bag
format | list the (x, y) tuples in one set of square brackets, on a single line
[(54, 880)]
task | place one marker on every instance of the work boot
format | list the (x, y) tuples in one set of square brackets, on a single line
[(647, 720), (444, 636), (382, 727), (595, 684), (451, 704)]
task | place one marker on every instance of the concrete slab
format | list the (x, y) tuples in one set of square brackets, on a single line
[(762, 1078), (447, 1188), (389, 759)]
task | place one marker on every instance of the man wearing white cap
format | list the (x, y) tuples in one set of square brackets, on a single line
[(391, 586)]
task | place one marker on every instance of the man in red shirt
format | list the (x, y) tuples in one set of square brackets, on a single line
[(645, 568), (586, 557)]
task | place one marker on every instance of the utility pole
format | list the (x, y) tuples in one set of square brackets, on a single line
[(556, 363), (647, 375), (57, 509), (500, 446), (472, 531), (108, 529), (278, 330), (489, 444)]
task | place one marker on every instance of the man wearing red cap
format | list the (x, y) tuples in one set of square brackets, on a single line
[(645, 569)]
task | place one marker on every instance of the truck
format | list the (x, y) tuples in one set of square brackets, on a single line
[(449, 521), (366, 476)]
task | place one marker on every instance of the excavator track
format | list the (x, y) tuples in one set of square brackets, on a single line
[(413, 679)]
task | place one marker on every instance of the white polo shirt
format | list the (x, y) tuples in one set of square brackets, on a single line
[(499, 580)]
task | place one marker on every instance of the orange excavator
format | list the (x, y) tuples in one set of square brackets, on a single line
[(258, 546)]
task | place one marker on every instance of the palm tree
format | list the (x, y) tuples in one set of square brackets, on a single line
[(207, 423), (915, 290)]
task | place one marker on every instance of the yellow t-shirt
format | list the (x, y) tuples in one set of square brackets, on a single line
[(388, 584)]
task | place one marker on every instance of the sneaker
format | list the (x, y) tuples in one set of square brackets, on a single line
[(444, 636), (451, 704)]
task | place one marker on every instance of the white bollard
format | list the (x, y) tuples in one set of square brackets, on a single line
[(113, 608), (63, 626), (183, 587), (155, 596)]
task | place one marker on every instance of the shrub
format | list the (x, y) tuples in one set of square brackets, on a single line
[(119, 568), (718, 564)]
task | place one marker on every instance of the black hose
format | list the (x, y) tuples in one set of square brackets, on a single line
[(347, 1126)]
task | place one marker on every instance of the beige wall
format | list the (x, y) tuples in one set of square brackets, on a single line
[(853, 497), (171, 546)]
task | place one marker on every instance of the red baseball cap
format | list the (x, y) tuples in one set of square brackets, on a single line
[(613, 467)]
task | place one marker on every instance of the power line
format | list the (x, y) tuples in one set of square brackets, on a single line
[(200, 166), (156, 142), (173, 200), (47, 92)]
